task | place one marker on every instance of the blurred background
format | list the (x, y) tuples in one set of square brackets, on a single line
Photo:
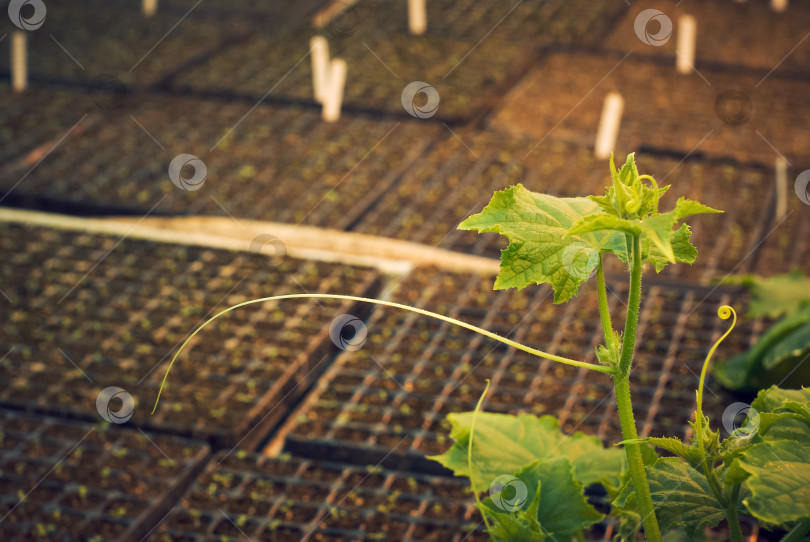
[(162, 160)]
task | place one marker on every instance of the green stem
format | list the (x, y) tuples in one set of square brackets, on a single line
[(732, 516), (635, 460), (484, 332), (633, 304), (621, 383), (469, 457), (797, 533), (604, 310)]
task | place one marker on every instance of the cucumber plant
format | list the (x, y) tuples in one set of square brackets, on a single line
[(536, 475)]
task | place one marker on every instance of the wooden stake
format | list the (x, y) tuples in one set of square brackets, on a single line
[(149, 7), (417, 17), (319, 49), (781, 188), (779, 5), (19, 61), (609, 125), (687, 35), (334, 91)]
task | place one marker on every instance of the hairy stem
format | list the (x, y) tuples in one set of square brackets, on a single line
[(484, 332), (732, 516), (797, 533), (633, 304), (621, 383), (604, 309)]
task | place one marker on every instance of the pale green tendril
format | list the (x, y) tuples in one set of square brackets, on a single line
[(484, 332), (723, 312)]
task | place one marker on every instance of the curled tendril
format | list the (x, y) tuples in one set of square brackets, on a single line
[(633, 205), (724, 312)]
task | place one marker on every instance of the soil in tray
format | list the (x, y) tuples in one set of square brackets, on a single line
[(714, 113), (786, 240), (531, 22), (379, 68), (65, 480), (453, 56), (389, 399), (253, 170), (82, 41), (79, 322), (35, 120), (266, 15), (458, 177), (288, 497), (744, 34)]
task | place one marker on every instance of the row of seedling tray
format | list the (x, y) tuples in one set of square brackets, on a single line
[(381, 405), (81, 320)]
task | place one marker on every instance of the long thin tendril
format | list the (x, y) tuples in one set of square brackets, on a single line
[(723, 312), (484, 332), (469, 454)]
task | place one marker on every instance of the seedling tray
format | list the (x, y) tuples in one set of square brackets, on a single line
[(664, 110), (374, 83), (288, 498), (786, 241), (761, 47), (34, 121), (63, 480), (386, 402), (459, 176), (532, 21), (255, 165), (123, 322), (471, 53), (292, 498), (78, 42), (281, 13)]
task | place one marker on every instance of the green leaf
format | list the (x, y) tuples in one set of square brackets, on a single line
[(559, 504), (505, 444), (733, 372), (778, 475), (795, 347), (677, 447), (592, 223), (629, 172), (658, 228), (682, 248), (773, 398), (509, 525), (682, 496), (783, 414), (607, 355), (775, 296), (685, 207), (538, 250), (748, 371)]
